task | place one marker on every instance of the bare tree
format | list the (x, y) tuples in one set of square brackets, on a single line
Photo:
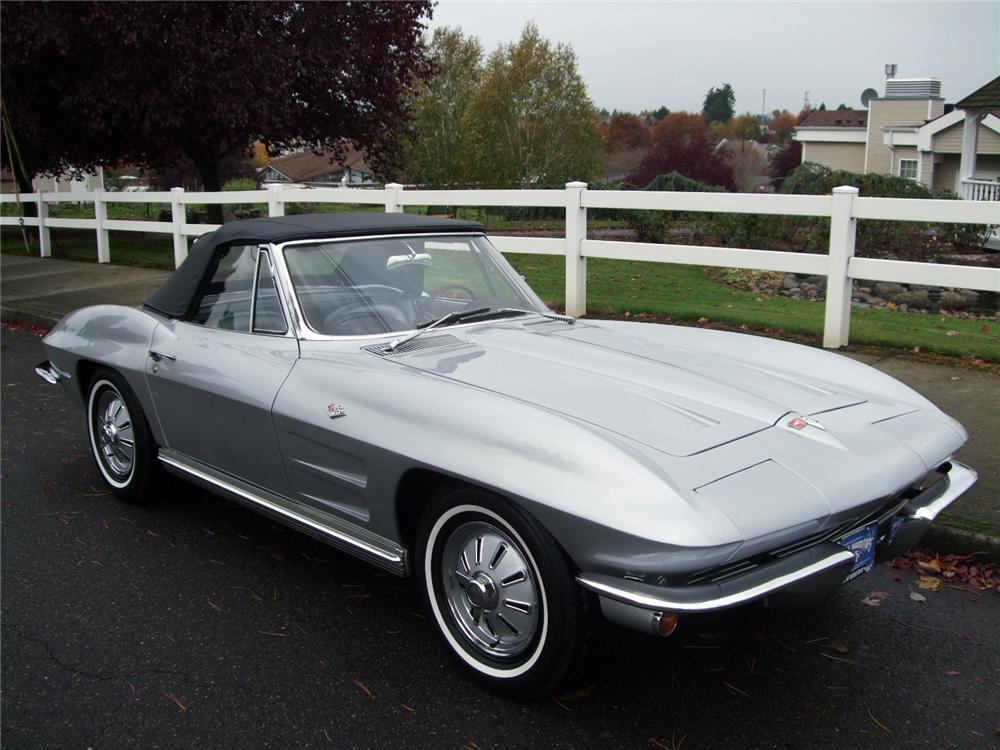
[(748, 160)]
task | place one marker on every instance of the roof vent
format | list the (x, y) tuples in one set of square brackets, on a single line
[(913, 88)]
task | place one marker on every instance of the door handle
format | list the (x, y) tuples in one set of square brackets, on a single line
[(157, 356)]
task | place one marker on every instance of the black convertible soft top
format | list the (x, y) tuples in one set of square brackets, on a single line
[(175, 296)]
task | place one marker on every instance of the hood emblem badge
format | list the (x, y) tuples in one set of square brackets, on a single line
[(799, 423), (334, 410)]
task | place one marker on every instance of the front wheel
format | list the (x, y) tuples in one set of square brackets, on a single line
[(502, 593), (120, 439)]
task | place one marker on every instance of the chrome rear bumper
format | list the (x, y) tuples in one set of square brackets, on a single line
[(797, 579)]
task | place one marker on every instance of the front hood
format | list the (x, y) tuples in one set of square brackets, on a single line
[(670, 398)]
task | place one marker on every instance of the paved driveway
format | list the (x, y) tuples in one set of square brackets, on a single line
[(195, 623)]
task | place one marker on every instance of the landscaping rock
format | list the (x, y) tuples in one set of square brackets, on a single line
[(888, 289), (915, 298), (871, 299), (790, 281), (953, 301)]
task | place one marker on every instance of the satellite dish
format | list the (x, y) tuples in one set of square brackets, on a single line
[(867, 95)]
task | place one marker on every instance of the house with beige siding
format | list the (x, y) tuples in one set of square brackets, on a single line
[(910, 132)]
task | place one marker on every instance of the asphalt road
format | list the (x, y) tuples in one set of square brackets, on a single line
[(192, 622)]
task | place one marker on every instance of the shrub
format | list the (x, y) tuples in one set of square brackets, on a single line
[(242, 183), (654, 225), (913, 239)]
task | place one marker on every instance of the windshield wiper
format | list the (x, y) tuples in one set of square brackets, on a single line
[(550, 315), (452, 317), (482, 313)]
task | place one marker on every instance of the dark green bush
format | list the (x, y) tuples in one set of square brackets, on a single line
[(654, 225), (875, 237)]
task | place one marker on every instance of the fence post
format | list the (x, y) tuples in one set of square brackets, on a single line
[(275, 205), (576, 263), (177, 216), (839, 287), (101, 216), (392, 191), (44, 233)]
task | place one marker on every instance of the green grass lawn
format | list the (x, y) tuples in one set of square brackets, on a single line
[(687, 293), (616, 287)]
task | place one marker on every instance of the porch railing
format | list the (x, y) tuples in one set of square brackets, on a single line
[(980, 190)]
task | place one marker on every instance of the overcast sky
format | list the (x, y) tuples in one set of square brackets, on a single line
[(640, 55)]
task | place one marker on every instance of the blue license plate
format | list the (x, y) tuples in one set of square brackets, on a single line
[(862, 544)]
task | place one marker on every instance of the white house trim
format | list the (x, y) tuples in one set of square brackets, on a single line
[(830, 135), (897, 136), (944, 122)]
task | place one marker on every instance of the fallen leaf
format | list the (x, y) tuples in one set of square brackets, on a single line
[(735, 689), (176, 700), (366, 691), (952, 673), (840, 648), (984, 329), (929, 582), (953, 333), (917, 597), (884, 727), (872, 602), (930, 566)]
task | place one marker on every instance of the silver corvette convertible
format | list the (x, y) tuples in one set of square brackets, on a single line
[(390, 385)]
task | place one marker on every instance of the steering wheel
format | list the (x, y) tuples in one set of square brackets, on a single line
[(438, 293), (359, 320)]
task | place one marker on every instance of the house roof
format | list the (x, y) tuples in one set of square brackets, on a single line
[(986, 97), (176, 297), (304, 166), (836, 118)]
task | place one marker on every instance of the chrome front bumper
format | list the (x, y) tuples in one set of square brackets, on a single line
[(47, 372), (799, 578)]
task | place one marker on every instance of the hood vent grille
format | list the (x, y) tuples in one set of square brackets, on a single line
[(416, 345)]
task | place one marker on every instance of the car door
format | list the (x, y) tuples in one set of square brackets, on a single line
[(215, 375)]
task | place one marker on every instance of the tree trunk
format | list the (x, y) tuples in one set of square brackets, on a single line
[(208, 170), (23, 186)]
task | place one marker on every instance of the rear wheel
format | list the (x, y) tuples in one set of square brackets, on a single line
[(120, 439), (502, 593)]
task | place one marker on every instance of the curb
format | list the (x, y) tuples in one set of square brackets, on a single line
[(27, 317), (948, 539)]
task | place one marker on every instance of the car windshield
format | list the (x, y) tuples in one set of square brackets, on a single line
[(396, 284)]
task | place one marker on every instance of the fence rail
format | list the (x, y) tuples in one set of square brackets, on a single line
[(843, 208)]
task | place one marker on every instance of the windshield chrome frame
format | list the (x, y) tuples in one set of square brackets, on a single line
[(302, 330)]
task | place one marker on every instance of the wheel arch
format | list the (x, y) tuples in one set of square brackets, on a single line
[(85, 369), (414, 491), (418, 486)]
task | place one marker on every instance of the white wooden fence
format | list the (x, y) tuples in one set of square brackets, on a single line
[(844, 207)]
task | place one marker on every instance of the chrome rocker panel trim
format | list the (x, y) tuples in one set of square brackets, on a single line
[(334, 531), (820, 568)]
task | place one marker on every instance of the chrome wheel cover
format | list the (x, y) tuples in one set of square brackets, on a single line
[(491, 591), (114, 434)]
